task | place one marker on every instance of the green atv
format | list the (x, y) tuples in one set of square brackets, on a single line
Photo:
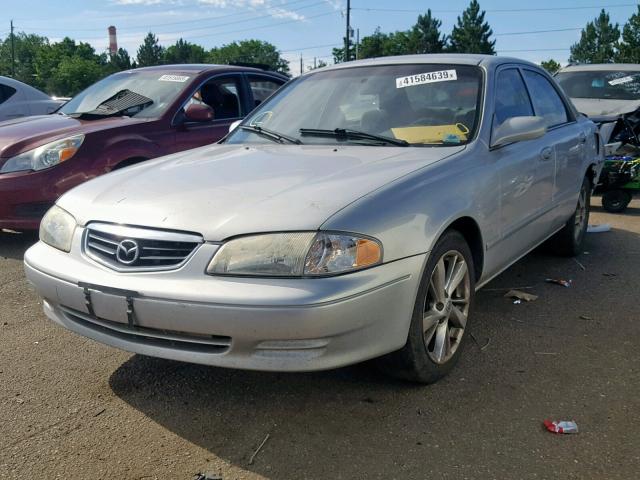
[(619, 179)]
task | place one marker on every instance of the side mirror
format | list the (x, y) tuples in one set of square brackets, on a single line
[(518, 129), (198, 113), (234, 125)]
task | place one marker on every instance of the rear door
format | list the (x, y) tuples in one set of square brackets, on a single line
[(227, 96), (565, 136), (526, 170)]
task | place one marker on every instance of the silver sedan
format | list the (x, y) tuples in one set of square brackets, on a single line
[(351, 216)]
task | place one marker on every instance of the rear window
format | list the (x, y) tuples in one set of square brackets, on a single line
[(6, 92), (606, 84)]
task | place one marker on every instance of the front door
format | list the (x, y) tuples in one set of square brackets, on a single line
[(225, 95), (526, 171)]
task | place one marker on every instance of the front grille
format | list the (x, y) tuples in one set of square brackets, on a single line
[(138, 249), (151, 336)]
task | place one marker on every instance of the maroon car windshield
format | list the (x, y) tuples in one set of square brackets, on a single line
[(160, 88)]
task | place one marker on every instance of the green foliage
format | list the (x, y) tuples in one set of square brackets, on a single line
[(426, 36), (472, 34), (339, 55), (249, 51), (184, 52), (150, 52), (629, 50), (26, 48), (66, 67), (550, 66), (598, 41)]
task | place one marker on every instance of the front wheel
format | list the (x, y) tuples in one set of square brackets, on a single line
[(441, 311), (568, 241), (616, 201)]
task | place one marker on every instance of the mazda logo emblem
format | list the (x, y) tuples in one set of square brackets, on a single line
[(127, 251)]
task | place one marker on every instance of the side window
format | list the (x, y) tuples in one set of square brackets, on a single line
[(512, 99), (546, 100), (262, 88), (223, 95), (6, 92)]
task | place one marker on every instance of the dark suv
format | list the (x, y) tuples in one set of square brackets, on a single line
[(123, 119)]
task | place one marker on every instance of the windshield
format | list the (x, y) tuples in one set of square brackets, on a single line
[(609, 84), (160, 88), (424, 104)]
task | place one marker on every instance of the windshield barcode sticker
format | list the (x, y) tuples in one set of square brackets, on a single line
[(618, 81), (422, 78), (173, 78)]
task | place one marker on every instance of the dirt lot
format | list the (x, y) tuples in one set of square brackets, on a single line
[(73, 409)]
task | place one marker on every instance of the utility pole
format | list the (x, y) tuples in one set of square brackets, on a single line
[(357, 43), (301, 66), (315, 62), (13, 53), (347, 36)]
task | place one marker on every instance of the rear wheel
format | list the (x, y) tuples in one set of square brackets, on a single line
[(440, 315), (569, 240), (616, 201)]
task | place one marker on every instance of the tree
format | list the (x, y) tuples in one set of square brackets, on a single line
[(66, 67), (629, 50), (472, 34), (26, 50), (150, 52), (249, 51), (184, 52), (425, 35), (339, 55), (550, 66), (372, 46), (598, 41), (318, 64), (386, 44), (121, 60)]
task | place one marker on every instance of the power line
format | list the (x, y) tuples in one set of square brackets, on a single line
[(178, 7), (204, 27), (498, 10), (537, 31)]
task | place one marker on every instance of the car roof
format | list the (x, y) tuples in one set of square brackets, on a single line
[(488, 61), (599, 67), (202, 67), (18, 85)]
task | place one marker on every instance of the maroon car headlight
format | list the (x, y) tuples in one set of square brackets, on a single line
[(44, 156)]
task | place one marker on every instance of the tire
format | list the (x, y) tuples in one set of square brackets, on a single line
[(569, 240), (439, 322), (616, 201)]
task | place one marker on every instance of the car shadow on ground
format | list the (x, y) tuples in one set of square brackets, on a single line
[(13, 245), (508, 379)]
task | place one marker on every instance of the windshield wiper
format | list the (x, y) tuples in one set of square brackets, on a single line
[(270, 134), (346, 133)]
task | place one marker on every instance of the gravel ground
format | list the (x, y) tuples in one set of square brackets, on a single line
[(73, 409)]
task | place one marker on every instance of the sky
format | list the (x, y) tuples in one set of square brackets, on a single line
[(533, 31)]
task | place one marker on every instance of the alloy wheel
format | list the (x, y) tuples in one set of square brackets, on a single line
[(446, 307)]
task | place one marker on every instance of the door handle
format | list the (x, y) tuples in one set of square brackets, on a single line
[(546, 153), (582, 138)]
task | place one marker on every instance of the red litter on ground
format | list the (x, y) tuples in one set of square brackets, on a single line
[(559, 281), (562, 426)]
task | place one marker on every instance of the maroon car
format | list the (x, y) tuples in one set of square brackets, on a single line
[(123, 119)]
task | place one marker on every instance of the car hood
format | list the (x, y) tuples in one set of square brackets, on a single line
[(26, 133), (594, 107), (221, 191)]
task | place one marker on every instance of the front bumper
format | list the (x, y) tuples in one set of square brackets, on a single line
[(248, 323)]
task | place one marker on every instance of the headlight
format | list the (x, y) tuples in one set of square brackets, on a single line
[(44, 156), (57, 227), (295, 254)]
